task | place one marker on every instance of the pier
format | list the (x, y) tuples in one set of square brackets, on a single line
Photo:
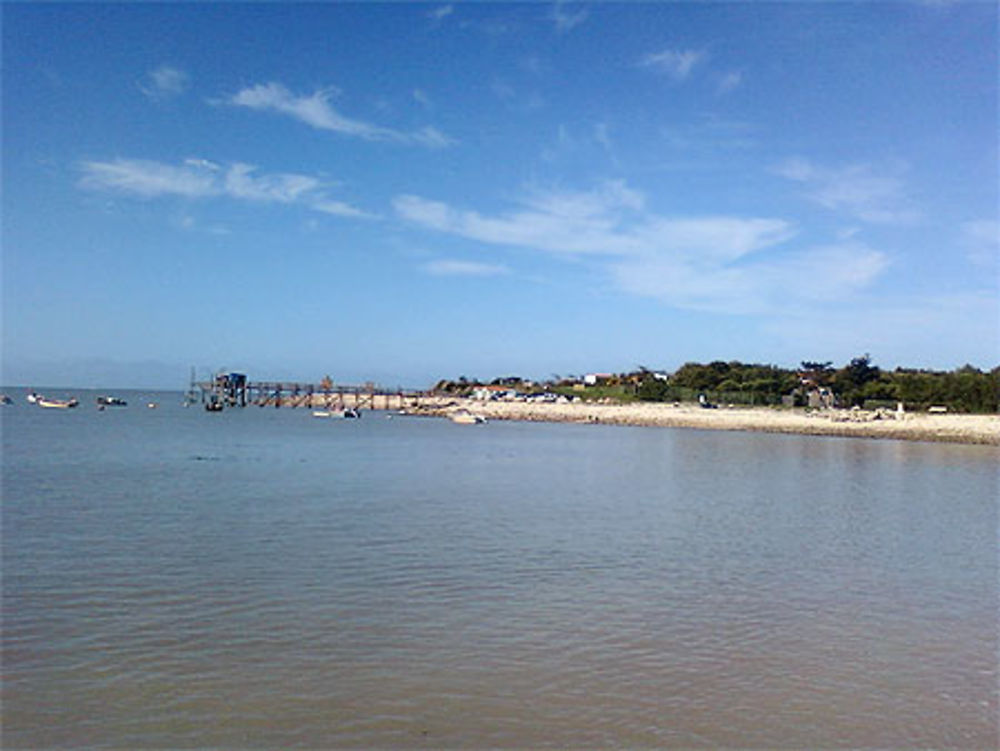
[(236, 390)]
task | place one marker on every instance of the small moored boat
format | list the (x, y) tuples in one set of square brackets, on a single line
[(464, 417), (111, 401), (335, 413), (43, 401)]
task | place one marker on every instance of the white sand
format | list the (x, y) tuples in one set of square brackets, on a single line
[(950, 428)]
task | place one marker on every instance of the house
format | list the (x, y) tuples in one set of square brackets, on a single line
[(592, 379), (494, 392), (488, 393)]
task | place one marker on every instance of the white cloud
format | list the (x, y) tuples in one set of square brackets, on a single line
[(190, 224), (420, 96), (571, 223), (313, 110), (240, 182), (338, 208), (713, 283), (316, 111), (432, 137), (729, 81), (450, 267), (677, 64), (149, 179), (712, 263), (566, 20), (874, 195), (164, 82), (201, 178), (440, 13)]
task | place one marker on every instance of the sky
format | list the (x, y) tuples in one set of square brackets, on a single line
[(404, 192)]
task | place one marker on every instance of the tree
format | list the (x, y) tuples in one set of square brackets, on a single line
[(653, 390), (861, 371)]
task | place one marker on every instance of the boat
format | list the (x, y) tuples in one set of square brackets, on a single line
[(4, 399), (349, 413), (214, 404), (111, 401), (43, 401), (464, 417), (32, 397)]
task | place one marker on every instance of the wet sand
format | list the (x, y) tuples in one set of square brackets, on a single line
[(947, 428)]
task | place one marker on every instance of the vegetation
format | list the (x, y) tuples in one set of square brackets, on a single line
[(857, 383)]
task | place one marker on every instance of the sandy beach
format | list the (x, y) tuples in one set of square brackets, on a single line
[(947, 428)]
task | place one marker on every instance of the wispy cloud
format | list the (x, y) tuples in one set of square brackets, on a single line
[(190, 224), (729, 82), (566, 20), (692, 280), (577, 224), (677, 64), (149, 179), (338, 208), (451, 267), (201, 178), (164, 82), (431, 137), (440, 13), (420, 97), (874, 195), (715, 263), (315, 110)]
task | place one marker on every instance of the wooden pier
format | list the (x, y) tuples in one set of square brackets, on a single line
[(236, 390)]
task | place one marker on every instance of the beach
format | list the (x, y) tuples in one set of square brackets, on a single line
[(911, 426)]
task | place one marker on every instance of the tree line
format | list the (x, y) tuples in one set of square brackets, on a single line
[(858, 383)]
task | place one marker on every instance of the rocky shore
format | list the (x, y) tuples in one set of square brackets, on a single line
[(947, 428)]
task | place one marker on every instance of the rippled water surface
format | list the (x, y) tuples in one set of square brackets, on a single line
[(262, 578)]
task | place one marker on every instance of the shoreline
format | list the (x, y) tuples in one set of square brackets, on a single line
[(910, 426)]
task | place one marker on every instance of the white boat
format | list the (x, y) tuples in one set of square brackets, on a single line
[(344, 413), (464, 417), (42, 401)]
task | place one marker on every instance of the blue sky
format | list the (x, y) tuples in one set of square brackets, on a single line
[(401, 192)]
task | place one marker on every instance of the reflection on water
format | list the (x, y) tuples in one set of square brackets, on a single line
[(259, 578)]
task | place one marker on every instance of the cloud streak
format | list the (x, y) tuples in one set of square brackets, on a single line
[(164, 82), (677, 64), (452, 267), (711, 263), (316, 111), (201, 178), (873, 195), (566, 20)]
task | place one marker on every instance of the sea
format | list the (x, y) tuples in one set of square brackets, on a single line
[(262, 578)]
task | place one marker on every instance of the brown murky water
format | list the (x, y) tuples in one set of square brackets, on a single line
[(263, 579)]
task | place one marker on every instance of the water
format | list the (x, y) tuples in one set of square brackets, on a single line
[(261, 578)]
